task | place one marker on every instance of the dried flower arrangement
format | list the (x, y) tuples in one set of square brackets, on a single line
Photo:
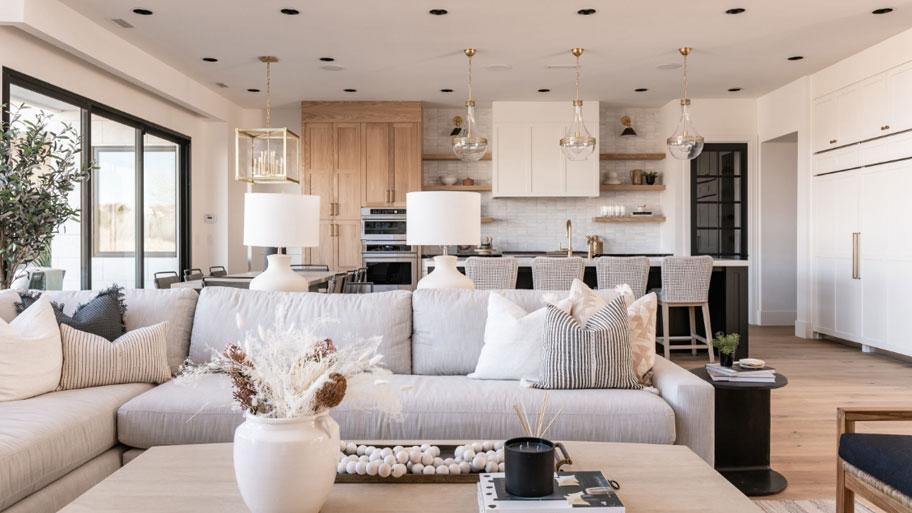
[(287, 372), (540, 429)]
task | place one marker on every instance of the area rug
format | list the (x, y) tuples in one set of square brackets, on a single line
[(806, 506)]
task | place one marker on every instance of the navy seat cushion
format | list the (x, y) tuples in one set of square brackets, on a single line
[(886, 457)]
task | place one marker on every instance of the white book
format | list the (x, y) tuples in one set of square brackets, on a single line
[(744, 379), (736, 370), (492, 496)]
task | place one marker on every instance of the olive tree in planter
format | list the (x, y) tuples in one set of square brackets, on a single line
[(39, 168)]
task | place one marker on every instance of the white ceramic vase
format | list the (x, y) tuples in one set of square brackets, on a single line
[(286, 465)]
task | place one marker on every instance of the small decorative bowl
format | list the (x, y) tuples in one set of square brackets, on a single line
[(448, 180)]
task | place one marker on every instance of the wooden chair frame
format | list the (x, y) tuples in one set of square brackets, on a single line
[(847, 484)]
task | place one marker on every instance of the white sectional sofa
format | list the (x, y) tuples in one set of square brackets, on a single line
[(55, 446)]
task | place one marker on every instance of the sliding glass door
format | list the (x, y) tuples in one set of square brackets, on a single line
[(134, 209)]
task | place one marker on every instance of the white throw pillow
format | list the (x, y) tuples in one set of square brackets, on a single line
[(30, 353), (582, 302), (512, 341)]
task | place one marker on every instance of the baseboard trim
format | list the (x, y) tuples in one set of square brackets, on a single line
[(775, 318)]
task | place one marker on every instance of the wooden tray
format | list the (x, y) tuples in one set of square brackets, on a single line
[(446, 451)]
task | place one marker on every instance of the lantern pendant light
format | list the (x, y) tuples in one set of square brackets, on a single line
[(577, 143), (267, 155), (685, 143), (471, 146)]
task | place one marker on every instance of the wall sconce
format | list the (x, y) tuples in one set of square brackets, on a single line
[(628, 129)]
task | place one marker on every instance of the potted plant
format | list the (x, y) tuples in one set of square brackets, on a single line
[(39, 168), (286, 381), (650, 177), (726, 345)]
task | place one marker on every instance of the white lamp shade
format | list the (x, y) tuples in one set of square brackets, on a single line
[(281, 220), (443, 218)]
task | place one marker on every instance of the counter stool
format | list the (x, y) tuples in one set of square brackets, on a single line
[(685, 283), (490, 273), (614, 271), (556, 273)]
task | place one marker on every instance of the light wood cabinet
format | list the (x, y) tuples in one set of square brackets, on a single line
[(392, 163), (406, 172), (375, 180)]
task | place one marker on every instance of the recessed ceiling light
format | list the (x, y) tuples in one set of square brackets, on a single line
[(350, 90), (544, 90), (498, 67), (736, 10), (327, 59), (641, 90), (221, 84), (586, 12), (122, 23), (447, 90), (883, 10), (671, 65), (332, 67), (253, 90), (438, 12), (290, 12), (210, 59), (142, 12), (796, 57), (734, 89)]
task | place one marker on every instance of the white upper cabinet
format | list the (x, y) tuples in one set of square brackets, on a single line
[(528, 161), (826, 130), (875, 111), (899, 92)]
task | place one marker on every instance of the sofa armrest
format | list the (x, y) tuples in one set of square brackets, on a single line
[(693, 402)]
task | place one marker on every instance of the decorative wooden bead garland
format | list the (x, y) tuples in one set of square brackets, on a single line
[(475, 457)]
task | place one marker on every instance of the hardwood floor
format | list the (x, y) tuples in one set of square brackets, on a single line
[(822, 375)]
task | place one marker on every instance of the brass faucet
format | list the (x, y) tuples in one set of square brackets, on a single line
[(569, 238)]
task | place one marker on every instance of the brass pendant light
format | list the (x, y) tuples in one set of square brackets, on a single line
[(577, 143), (685, 143), (471, 146)]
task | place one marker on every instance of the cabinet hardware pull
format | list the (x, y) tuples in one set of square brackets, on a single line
[(393, 196), (338, 208), (856, 250), (832, 141), (885, 127)]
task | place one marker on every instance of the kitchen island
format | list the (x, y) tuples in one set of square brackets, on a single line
[(728, 292)]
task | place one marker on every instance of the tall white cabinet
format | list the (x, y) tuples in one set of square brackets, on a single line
[(527, 158)]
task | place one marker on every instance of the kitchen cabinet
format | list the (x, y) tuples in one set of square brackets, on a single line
[(899, 93), (375, 179), (340, 245), (826, 133), (528, 161), (392, 163)]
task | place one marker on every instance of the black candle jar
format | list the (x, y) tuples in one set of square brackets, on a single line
[(529, 466)]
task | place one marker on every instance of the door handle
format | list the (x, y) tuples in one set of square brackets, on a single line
[(856, 255)]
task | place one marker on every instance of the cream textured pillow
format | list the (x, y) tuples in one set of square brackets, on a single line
[(30, 356), (582, 302), (512, 341), (138, 356), (641, 319)]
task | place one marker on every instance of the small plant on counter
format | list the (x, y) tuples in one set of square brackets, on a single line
[(726, 344), (650, 177)]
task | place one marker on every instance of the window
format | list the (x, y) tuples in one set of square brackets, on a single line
[(139, 198), (718, 206)]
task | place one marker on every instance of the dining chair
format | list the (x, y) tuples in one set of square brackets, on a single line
[(193, 274), (236, 283), (556, 273), (359, 287), (309, 267), (164, 279), (218, 271), (614, 271), (685, 284), (489, 273)]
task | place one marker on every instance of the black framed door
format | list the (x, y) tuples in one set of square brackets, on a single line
[(718, 206)]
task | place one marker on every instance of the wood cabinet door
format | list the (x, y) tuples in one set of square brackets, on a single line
[(375, 176), (406, 161), (319, 161), (825, 131), (325, 253), (348, 170), (348, 245)]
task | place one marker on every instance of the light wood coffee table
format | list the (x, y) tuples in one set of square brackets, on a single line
[(200, 479)]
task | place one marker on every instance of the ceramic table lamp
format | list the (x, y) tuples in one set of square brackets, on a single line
[(441, 219), (282, 221)]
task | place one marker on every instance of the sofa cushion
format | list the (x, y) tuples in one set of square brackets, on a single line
[(887, 458), (45, 437), (340, 317), (145, 307), (449, 325), (434, 407)]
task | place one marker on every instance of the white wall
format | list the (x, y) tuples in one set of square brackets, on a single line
[(777, 264)]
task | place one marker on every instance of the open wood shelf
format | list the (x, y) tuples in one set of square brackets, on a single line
[(449, 156), (482, 187), (487, 219), (629, 219), (631, 156), (632, 187)]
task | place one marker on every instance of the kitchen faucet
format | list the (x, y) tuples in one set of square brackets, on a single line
[(569, 238)]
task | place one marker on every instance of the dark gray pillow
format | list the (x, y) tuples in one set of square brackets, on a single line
[(102, 316), (596, 355)]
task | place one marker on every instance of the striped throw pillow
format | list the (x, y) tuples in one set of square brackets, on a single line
[(596, 355), (139, 356)]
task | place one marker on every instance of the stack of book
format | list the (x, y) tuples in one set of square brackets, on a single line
[(593, 493), (737, 374)]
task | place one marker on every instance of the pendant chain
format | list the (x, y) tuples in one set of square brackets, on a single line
[(470, 79), (268, 96), (685, 77), (577, 78)]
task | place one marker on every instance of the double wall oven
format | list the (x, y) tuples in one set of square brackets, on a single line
[(391, 263)]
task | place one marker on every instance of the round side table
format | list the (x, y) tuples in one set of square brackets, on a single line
[(742, 444)]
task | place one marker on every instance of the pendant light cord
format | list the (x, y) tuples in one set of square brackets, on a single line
[(268, 96)]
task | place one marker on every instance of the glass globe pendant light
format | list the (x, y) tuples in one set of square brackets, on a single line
[(471, 146), (577, 143), (685, 143)]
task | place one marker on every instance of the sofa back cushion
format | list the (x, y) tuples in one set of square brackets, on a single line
[(145, 307), (341, 317), (449, 325)]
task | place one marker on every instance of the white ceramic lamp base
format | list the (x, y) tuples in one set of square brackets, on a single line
[(445, 275), (279, 276)]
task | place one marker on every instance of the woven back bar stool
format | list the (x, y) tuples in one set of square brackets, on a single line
[(556, 273), (614, 271), (685, 284), (492, 273)]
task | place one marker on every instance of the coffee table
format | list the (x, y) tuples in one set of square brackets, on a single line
[(200, 479)]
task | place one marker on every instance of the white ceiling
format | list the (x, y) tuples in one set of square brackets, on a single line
[(395, 50)]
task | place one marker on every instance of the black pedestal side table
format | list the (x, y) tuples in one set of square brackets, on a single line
[(743, 435)]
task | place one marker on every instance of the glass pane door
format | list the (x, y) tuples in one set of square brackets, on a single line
[(161, 160), (719, 201), (113, 204)]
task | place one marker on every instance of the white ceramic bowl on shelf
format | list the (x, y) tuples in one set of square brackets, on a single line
[(448, 180)]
